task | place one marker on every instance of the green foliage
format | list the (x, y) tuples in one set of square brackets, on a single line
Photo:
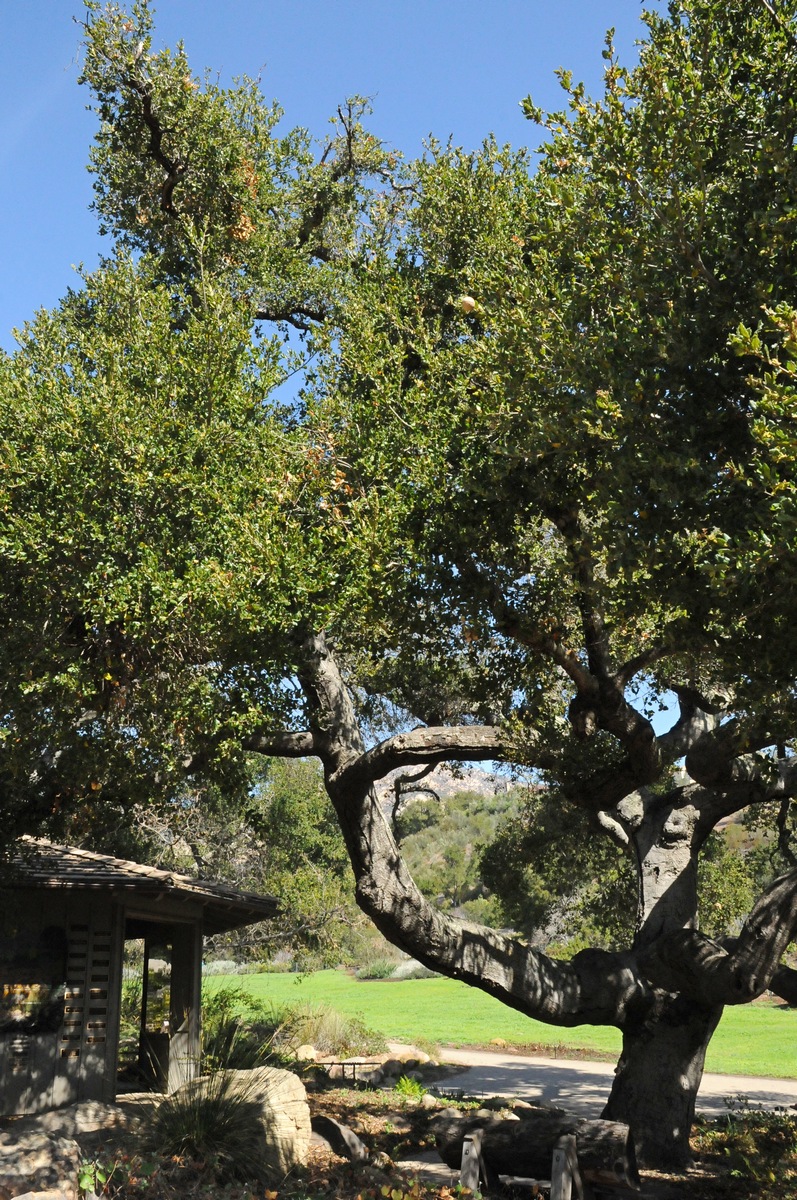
[(551, 877), (130, 1007), (726, 887), (100, 1177), (486, 508), (241, 1030), (301, 858), (441, 842), (759, 1149), (281, 838), (411, 1089), (238, 1032), (591, 387), (198, 176)]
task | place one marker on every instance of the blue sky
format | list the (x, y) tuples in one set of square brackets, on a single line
[(448, 67)]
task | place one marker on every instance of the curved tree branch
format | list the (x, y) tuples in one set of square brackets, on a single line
[(716, 759), (596, 986), (283, 743), (579, 548), (695, 720), (429, 745), (711, 974), (784, 984)]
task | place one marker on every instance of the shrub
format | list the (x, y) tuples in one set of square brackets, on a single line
[(329, 1031), (759, 1147), (237, 1031), (411, 1089), (221, 966), (378, 968), (218, 1123)]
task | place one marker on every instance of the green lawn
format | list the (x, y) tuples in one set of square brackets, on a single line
[(759, 1039)]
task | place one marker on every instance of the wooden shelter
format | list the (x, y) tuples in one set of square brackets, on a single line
[(66, 916)]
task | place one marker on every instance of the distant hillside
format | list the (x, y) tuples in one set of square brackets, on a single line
[(442, 838)]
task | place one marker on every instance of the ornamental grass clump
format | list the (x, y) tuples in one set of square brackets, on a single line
[(216, 1121), (329, 1031)]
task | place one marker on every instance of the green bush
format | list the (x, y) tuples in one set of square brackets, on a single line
[(241, 1032), (238, 1032)]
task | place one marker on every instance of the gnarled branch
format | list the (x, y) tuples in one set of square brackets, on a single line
[(711, 974), (430, 745)]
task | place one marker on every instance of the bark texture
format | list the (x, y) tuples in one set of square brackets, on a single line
[(657, 1077)]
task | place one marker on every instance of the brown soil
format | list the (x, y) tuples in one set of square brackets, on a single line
[(394, 1129)]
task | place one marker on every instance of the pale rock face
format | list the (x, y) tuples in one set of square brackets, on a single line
[(34, 1161)]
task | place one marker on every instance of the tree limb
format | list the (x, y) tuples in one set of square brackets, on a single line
[(173, 167), (302, 316), (430, 745), (784, 984), (510, 622), (709, 973), (715, 760), (596, 641), (784, 833), (596, 986), (282, 743), (640, 662), (694, 720)]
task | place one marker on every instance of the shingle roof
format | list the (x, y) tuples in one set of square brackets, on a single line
[(45, 864)]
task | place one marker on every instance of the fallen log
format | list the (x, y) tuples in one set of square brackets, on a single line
[(525, 1148)]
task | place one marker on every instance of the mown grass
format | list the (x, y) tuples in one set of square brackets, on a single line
[(753, 1039)]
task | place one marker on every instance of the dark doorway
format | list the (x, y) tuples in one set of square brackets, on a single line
[(159, 1012)]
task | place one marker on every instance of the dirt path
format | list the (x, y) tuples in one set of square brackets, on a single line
[(582, 1087)]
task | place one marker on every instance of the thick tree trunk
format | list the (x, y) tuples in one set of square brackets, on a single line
[(657, 1078)]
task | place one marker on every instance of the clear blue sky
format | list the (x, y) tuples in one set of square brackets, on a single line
[(448, 67)]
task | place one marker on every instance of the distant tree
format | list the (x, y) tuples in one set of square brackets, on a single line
[(539, 483)]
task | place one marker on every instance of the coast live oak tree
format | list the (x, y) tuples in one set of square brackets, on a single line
[(506, 530)]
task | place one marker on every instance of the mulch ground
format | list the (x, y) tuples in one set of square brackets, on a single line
[(394, 1128)]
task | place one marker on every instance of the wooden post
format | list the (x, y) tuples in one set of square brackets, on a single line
[(561, 1171), (469, 1172), (566, 1174), (475, 1169)]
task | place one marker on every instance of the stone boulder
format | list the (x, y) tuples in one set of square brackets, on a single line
[(339, 1138), (35, 1161)]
